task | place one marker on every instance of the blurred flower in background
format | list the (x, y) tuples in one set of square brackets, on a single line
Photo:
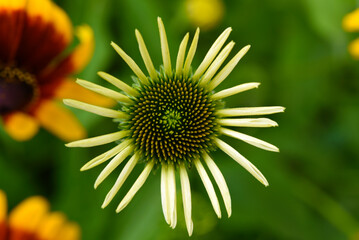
[(35, 69), (172, 119), (31, 220), (206, 14), (351, 24)]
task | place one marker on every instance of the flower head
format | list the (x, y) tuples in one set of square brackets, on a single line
[(34, 71), (173, 119), (351, 24), (31, 220)]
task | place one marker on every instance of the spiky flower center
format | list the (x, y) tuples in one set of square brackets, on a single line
[(17, 89), (172, 120)]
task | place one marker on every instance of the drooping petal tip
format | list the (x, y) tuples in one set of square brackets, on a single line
[(209, 187), (113, 164), (135, 187), (249, 139), (121, 179)]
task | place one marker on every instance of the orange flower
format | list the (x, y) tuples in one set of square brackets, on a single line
[(34, 69), (31, 220)]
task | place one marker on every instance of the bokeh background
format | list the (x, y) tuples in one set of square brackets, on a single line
[(299, 54)]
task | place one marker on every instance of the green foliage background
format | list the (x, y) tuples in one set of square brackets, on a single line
[(299, 54)]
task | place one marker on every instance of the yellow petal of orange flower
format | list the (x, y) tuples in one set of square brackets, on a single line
[(3, 207), (84, 51), (12, 15), (26, 217), (351, 21), (12, 5), (3, 211), (39, 9), (59, 121), (51, 226), (51, 13), (20, 126), (71, 231), (354, 48), (70, 89), (62, 22)]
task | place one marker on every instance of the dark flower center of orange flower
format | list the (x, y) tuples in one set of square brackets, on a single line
[(18, 89)]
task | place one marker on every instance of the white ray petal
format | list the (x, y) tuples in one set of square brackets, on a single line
[(186, 198), (242, 161), (145, 55), (105, 156), (235, 90), (181, 55), (209, 187), (135, 68), (221, 182), (228, 68), (165, 194), (114, 163), (105, 112), (217, 63), (248, 122), (171, 184), (249, 139), (164, 48), (119, 84), (100, 140), (135, 187), (212, 52), (191, 52), (104, 91), (249, 111), (121, 179)]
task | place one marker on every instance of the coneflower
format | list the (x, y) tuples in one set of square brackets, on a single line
[(173, 119)]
